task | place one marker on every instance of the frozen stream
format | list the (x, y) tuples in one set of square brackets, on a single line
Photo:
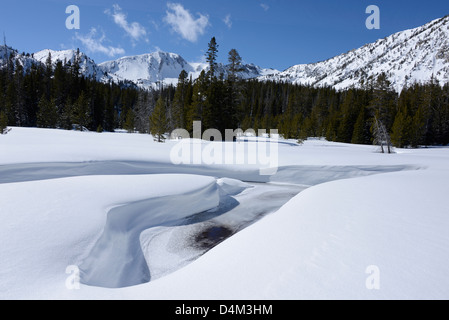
[(146, 240), (171, 247)]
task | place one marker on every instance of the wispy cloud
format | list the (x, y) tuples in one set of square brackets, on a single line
[(94, 43), (134, 29), (184, 23), (265, 6), (227, 21)]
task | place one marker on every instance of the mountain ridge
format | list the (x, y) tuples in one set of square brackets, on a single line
[(413, 55)]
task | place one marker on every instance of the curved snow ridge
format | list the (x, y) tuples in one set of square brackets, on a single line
[(117, 259)]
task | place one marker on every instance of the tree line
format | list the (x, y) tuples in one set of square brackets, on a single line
[(57, 96)]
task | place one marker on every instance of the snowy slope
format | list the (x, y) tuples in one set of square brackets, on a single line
[(23, 60), (88, 67), (148, 70), (363, 211), (406, 57)]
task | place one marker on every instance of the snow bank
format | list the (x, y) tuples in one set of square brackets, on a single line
[(117, 259), (381, 214), (52, 224), (322, 243)]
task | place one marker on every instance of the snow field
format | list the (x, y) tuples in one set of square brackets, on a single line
[(51, 224), (363, 210)]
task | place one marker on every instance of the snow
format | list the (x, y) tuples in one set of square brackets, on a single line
[(148, 69), (331, 222), (88, 67), (406, 57)]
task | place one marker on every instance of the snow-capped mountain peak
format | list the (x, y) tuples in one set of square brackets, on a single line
[(147, 69), (9, 55), (88, 67), (414, 55), (409, 56)]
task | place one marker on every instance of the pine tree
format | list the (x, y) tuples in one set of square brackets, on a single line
[(211, 58), (10, 103), (109, 114), (48, 75), (47, 116), (235, 65), (383, 102), (398, 134), (417, 130), (199, 98), (20, 113), (179, 101), (65, 118), (232, 91), (348, 118), (129, 122), (3, 123), (81, 112), (361, 133), (158, 120), (142, 111)]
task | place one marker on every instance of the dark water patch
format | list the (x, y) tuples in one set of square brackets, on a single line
[(211, 236)]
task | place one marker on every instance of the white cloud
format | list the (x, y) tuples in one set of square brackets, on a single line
[(227, 21), (265, 6), (183, 23), (94, 44), (134, 29)]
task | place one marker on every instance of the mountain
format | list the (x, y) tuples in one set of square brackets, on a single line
[(414, 55), (148, 70), (88, 67), (14, 57)]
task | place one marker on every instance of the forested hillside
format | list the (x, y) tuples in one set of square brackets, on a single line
[(52, 95)]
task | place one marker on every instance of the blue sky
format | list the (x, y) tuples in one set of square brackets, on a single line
[(269, 33)]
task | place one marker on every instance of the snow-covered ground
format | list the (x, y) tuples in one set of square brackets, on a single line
[(334, 221)]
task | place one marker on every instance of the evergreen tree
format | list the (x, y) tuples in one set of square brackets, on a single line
[(109, 113), (48, 75), (235, 65), (417, 128), (211, 58), (361, 133), (47, 116), (158, 120), (399, 130), (179, 110), (232, 92), (10, 103), (81, 116), (20, 114), (65, 117), (383, 102), (349, 116), (199, 99), (129, 122), (3, 123), (142, 111)]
